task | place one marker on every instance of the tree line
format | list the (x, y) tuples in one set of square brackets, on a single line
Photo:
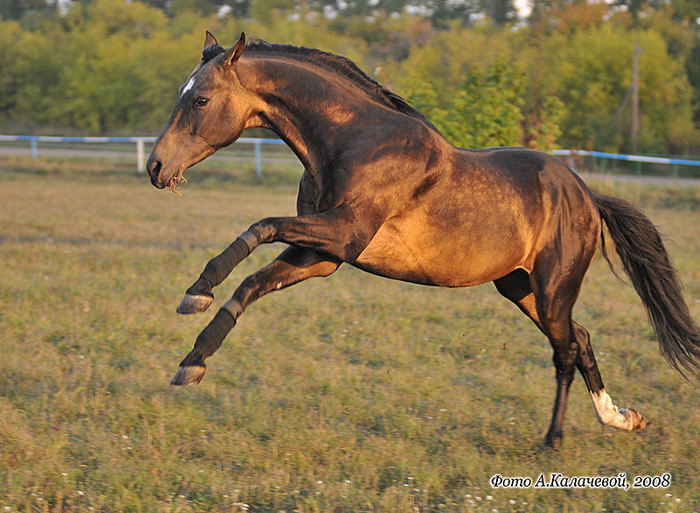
[(484, 76)]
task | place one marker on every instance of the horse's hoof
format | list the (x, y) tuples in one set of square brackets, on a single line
[(553, 441), (635, 419), (188, 375), (192, 304)]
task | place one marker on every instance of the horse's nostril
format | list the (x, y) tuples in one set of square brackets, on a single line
[(154, 167)]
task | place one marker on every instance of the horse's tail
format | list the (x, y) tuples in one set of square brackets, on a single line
[(647, 263)]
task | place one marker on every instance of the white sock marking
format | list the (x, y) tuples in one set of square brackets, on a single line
[(611, 415)]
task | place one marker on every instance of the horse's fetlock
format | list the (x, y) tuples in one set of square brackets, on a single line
[(200, 287), (607, 417), (554, 439), (194, 357)]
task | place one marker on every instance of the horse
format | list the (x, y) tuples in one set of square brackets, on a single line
[(383, 191)]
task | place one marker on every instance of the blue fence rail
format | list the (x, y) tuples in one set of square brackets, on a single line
[(631, 158), (603, 157), (140, 142)]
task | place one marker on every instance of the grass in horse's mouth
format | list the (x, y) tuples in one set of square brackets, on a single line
[(174, 181)]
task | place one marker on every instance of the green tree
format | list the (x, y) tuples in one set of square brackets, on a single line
[(591, 72), (484, 111), (115, 65), (541, 123), (447, 57), (12, 41), (30, 73), (119, 66)]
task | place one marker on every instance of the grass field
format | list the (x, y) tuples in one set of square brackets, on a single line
[(348, 394)]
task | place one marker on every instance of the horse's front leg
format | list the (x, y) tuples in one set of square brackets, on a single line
[(199, 296), (336, 232), (292, 266)]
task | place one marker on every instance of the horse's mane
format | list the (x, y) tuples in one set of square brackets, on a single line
[(335, 63)]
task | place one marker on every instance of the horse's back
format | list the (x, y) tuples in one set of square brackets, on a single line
[(538, 180), (517, 167)]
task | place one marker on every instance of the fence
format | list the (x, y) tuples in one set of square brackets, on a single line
[(140, 142), (600, 164)]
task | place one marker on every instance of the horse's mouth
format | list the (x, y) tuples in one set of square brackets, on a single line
[(174, 181)]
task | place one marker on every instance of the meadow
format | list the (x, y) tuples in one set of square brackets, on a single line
[(346, 394)]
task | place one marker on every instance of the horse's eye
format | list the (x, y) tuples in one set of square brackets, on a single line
[(200, 101)]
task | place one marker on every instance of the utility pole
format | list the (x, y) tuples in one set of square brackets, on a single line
[(635, 95)]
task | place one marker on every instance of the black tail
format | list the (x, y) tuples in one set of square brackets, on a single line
[(646, 261)]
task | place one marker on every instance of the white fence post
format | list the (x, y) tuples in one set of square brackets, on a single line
[(258, 160), (140, 155)]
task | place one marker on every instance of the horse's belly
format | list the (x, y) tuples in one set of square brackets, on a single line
[(457, 257)]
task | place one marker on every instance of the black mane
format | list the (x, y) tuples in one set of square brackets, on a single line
[(336, 63), (211, 52)]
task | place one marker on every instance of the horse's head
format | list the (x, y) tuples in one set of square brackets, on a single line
[(211, 112)]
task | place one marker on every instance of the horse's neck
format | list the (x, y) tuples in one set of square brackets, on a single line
[(306, 108)]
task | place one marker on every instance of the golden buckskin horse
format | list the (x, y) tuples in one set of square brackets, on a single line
[(385, 192)]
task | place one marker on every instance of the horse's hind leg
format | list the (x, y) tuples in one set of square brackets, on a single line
[(547, 297), (556, 282), (292, 266), (553, 319), (608, 414)]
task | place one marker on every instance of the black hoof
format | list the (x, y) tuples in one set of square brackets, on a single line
[(188, 375), (553, 440)]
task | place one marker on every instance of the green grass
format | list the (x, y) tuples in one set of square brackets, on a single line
[(348, 394)]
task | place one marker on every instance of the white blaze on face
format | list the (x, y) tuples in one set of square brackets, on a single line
[(190, 80), (187, 86)]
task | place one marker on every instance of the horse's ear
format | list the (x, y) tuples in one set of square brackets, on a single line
[(234, 53), (209, 41)]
